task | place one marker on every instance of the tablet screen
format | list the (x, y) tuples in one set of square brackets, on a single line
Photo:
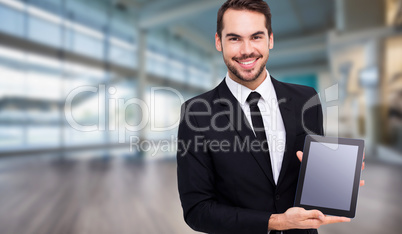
[(329, 170)]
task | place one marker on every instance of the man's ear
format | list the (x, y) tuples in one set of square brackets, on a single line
[(271, 41), (218, 43)]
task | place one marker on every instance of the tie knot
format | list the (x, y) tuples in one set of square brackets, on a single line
[(253, 98)]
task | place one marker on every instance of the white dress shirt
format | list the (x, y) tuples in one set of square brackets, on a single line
[(271, 116)]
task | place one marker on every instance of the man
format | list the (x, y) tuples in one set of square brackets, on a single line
[(237, 164)]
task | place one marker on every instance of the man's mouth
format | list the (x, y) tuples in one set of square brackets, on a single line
[(247, 64)]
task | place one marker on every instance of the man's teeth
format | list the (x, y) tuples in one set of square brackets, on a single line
[(247, 63)]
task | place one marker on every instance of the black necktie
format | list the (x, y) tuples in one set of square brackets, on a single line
[(259, 129), (258, 124), (256, 117)]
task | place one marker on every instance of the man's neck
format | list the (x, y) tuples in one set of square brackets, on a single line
[(253, 85)]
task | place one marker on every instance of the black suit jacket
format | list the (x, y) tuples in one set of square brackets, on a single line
[(226, 185)]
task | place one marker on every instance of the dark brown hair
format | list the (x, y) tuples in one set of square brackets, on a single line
[(251, 5)]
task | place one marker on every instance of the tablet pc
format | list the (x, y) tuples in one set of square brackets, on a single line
[(329, 176)]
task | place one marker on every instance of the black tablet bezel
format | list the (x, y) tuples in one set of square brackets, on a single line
[(356, 183)]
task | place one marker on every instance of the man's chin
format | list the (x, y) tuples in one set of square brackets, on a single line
[(248, 77), (244, 75)]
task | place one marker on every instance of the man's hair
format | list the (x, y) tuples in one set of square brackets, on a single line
[(250, 5)]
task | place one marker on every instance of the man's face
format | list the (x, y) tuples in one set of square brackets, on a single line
[(245, 45)]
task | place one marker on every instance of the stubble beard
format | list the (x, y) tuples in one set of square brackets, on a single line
[(236, 72)]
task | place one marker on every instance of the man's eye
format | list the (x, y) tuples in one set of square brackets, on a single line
[(257, 37), (233, 39)]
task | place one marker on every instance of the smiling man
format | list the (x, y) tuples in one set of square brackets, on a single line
[(238, 170), (245, 45)]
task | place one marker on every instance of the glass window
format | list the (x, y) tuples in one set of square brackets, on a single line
[(123, 111), (48, 2), (12, 82), (88, 9), (123, 55), (12, 21), (164, 107), (44, 32), (84, 112), (156, 63), (11, 136), (84, 73), (87, 45), (308, 80), (176, 70), (122, 26), (29, 109), (43, 136), (43, 86)]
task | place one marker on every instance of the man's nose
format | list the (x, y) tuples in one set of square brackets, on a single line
[(246, 47)]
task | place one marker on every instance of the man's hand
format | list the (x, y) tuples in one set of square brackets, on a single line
[(299, 218), (300, 157)]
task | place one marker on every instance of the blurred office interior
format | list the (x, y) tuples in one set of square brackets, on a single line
[(90, 95)]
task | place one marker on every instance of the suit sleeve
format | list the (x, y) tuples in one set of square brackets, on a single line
[(312, 116), (196, 183), (320, 121)]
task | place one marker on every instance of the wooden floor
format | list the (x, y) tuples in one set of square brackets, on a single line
[(118, 196)]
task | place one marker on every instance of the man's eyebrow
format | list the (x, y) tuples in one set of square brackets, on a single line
[(232, 35), (236, 35), (258, 33)]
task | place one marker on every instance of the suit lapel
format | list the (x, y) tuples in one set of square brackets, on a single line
[(288, 116), (234, 113)]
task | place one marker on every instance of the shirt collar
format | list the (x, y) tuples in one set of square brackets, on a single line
[(241, 92)]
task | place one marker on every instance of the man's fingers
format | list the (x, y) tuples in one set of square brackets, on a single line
[(300, 218), (335, 219), (312, 223), (362, 182), (315, 214), (299, 155)]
